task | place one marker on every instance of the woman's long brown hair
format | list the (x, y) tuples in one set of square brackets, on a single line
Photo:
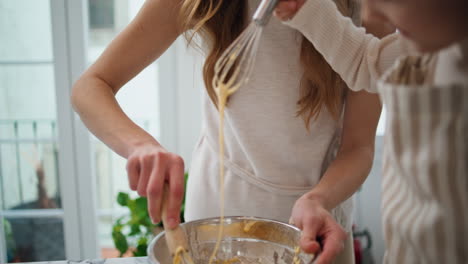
[(220, 22)]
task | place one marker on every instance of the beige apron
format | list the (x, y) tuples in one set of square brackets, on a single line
[(425, 177)]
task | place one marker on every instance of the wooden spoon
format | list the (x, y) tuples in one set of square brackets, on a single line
[(175, 238)]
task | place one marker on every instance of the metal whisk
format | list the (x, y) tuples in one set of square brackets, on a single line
[(232, 70), (235, 65)]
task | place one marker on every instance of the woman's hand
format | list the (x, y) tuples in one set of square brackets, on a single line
[(317, 224), (286, 9), (149, 166)]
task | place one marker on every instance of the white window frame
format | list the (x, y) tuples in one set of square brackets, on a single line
[(69, 21)]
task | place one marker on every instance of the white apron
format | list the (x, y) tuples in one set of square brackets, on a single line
[(425, 176)]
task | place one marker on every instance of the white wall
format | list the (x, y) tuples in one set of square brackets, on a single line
[(189, 94), (368, 213)]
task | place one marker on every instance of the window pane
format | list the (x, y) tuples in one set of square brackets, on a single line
[(101, 14), (34, 239), (106, 19), (29, 176), (25, 27), (28, 92), (29, 185), (105, 223), (28, 150)]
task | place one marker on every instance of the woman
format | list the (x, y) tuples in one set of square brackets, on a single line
[(295, 138)]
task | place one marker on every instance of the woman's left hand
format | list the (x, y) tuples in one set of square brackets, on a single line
[(286, 9), (317, 223)]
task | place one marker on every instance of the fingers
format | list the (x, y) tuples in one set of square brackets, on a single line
[(308, 240), (146, 165), (330, 252), (176, 194), (286, 9), (317, 224), (333, 244), (133, 172), (148, 170), (154, 187)]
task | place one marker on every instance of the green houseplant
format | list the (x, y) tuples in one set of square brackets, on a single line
[(135, 230)]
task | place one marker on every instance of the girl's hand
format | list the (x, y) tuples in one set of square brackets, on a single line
[(286, 9), (148, 167), (317, 223)]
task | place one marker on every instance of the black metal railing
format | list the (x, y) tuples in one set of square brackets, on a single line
[(22, 136), (15, 135)]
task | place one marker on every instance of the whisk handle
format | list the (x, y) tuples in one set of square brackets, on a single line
[(264, 10)]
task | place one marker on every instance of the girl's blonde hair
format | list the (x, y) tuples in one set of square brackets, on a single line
[(219, 22)]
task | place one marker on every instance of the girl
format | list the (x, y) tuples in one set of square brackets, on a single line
[(425, 183), (295, 138)]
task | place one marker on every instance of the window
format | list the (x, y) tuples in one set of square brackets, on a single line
[(101, 14), (52, 171), (31, 215)]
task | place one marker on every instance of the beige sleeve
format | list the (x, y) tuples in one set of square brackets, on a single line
[(359, 58)]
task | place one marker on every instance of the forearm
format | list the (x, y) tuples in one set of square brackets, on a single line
[(95, 102), (359, 58), (344, 177)]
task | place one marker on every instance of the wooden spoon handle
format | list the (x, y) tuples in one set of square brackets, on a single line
[(176, 237)]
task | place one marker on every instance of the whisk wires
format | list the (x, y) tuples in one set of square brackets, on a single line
[(233, 68)]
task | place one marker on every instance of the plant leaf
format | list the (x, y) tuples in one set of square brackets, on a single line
[(120, 242), (140, 251), (141, 248), (143, 241), (134, 230), (141, 207), (119, 220), (123, 198), (117, 227), (147, 222), (141, 203), (131, 205)]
